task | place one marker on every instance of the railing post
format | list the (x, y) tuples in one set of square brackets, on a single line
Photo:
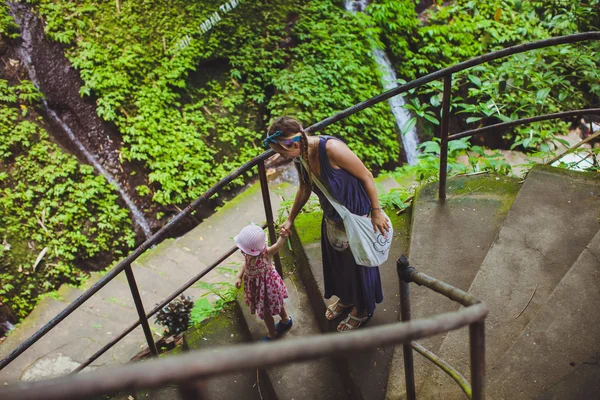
[(591, 133), (403, 268), (140, 310), (264, 186), (444, 136), (477, 347)]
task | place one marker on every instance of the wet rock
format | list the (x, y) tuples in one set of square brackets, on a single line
[(3, 47)]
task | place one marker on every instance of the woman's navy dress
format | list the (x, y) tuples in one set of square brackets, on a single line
[(342, 276)]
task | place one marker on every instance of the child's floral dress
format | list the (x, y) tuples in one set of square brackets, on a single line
[(263, 286)]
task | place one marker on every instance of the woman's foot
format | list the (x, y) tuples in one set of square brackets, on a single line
[(336, 309), (352, 321)]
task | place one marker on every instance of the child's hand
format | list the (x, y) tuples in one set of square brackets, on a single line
[(285, 234), (238, 283), (286, 228)]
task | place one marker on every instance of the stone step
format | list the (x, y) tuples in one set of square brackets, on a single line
[(449, 242), (317, 379), (365, 372), (553, 218), (226, 329), (565, 334), (159, 271)]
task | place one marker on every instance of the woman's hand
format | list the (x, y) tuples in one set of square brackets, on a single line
[(286, 229), (380, 223), (238, 282)]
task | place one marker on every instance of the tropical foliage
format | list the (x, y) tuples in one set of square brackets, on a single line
[(539, 82), (56, 215), (193, 113), (191, 100)]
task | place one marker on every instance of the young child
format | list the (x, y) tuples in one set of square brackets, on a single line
[(264, 290)]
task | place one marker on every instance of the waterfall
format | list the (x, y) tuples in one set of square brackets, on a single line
[(410, 140), (6, 326), (25, 51)]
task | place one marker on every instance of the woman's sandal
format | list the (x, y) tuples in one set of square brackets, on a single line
[(332, 309), (349, 327)]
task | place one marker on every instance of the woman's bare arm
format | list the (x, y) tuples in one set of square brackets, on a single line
[(342, 157), (302, 196)]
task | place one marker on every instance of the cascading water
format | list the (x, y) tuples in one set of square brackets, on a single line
[(410, 140), (25, 54), (6, 327)]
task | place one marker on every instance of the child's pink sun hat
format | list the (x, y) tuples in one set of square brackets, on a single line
[(251, 240)]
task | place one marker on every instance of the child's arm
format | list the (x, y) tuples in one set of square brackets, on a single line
[(277, 246), (240, 275)]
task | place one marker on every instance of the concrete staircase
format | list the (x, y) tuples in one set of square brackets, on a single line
[(540, 280), (530, 250)]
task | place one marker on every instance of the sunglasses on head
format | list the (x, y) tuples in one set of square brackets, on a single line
[(281, 142)]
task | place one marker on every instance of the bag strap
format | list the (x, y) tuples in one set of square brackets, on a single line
[(343, 211)]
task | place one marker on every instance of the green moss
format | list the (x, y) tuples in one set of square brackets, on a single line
[(383, 176), (400, 222), (117, 301), (594, 176), (497, 184), (308, 226), (164, 246), (212, 327), (246, 195), (174, 351)]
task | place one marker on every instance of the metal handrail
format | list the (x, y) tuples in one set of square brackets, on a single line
[(204, 364), (125, 263), (499, 127), (408, 274), (447, 72), (158, 307), (444, 366)]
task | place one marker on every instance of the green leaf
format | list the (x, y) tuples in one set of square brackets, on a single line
[(476, 81), (542, 94), (408, 125), (431, 119), (473, 119), (562, 96), (456, 145), (430, 147)]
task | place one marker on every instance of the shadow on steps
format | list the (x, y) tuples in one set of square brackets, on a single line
[(365, 373)]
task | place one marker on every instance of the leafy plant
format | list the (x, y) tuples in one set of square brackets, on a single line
[(8, 28), (175, 316), (225, 292), (524, 85), (50, 205), (397, 198)]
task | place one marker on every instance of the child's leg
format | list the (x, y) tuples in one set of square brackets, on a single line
[(285, 318), (270, 325)]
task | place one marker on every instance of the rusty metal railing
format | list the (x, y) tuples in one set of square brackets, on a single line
[(190, 371), (446, 74), (126, 265), (408, 274), (476, 326)]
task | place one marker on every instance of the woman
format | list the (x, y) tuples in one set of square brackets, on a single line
[(352, 184)]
